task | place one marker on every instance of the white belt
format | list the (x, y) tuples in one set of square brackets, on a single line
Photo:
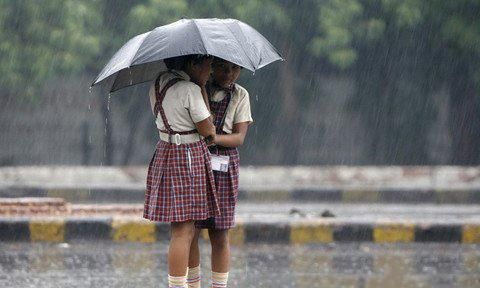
[(180, 139)]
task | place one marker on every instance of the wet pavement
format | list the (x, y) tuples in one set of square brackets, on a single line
[(361, 211), (107, 264), (254, 210)]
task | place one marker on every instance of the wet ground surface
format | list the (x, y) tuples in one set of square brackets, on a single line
[(285, 211), (361, 212), (107, 264)]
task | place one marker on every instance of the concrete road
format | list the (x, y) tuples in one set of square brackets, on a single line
[(362, 211), (107, 264)]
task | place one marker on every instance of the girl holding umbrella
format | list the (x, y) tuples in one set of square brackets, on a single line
[(180, 183)]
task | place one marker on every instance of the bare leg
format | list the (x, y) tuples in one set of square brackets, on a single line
[(181, 238), (194, 258), (220, 250)]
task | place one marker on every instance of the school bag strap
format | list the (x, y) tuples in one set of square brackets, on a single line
[(160, 96)]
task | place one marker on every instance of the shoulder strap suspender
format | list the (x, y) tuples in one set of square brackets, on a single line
[(228, 99), (159, 96)]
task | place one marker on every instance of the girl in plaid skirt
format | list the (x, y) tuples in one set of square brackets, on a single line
[(230, 106), (180, 182)]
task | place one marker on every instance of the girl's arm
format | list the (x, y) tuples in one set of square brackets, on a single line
[(205, 99), (206, 129), (236, 138)]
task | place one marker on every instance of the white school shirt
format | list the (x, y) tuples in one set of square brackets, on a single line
[(183, 103), (238, 109)]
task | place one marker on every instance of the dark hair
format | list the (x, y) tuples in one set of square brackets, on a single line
[(180, 62), (217, 60)]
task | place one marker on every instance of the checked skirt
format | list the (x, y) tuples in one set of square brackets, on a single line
[(227, 192), (180, 188)]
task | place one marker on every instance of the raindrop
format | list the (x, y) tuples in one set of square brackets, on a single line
[(106, 124), (130, 71), (64, 245), (104, 153), (256, 97), (90, 102), (108, 102)]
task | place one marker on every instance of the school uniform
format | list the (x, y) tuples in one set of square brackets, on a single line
[(229, 106), (180, 182)]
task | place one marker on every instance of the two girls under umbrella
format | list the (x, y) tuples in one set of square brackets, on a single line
[(202, 116)]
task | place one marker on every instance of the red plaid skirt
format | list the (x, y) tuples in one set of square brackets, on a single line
[(179, 189), (227, 192)]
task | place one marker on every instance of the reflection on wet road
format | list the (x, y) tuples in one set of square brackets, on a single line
[(108, 264)]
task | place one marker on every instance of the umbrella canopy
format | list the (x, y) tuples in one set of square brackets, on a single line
[(141, 58)]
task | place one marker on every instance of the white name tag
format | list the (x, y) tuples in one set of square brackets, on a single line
[(220, 163)]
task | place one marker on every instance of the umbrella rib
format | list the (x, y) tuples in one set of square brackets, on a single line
[(234, 36), (136, 53), (129, 65), (200, 33), (112, 90), (116, 78)]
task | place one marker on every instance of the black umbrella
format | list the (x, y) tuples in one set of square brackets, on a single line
[(141, 58)]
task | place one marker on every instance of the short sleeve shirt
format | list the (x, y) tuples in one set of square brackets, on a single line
[(183, 103), (238, 109)]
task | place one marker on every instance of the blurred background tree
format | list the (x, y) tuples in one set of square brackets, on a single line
[(455, 40), (399, 52), (40, 39)]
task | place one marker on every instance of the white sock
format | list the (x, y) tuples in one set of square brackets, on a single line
[(194, 277), (177, 281), (219, 280)]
